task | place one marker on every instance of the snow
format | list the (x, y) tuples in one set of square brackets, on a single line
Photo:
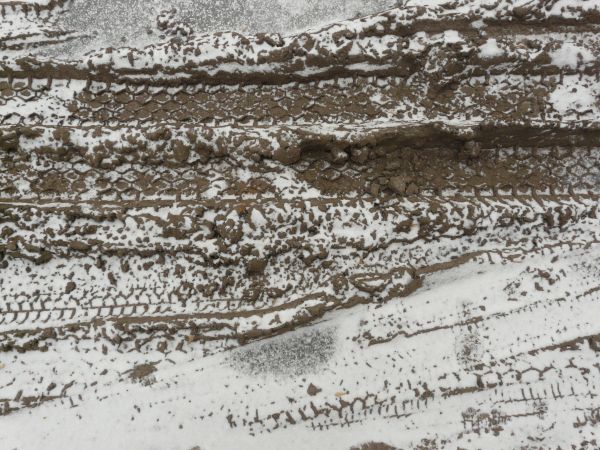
[(487, 313), (490, 49), (570, 55)]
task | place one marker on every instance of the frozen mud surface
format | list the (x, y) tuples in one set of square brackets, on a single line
[(289, 226)]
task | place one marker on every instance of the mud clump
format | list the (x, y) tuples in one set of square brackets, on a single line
[(312, 390), (257, 266), (374, 446), (142, 373), (70, 287)]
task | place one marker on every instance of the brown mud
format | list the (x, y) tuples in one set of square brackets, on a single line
[(216, 201)]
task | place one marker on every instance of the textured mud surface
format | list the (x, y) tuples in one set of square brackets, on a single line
[(380, 233)]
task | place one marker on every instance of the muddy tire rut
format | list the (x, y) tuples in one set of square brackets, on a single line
[(380, 233)]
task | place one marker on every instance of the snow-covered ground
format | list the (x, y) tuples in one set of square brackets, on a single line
[(377, 230), (131, 22)]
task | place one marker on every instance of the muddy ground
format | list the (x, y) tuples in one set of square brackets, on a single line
[(379, 233)]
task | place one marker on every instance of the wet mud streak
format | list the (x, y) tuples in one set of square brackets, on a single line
[(374, 226)]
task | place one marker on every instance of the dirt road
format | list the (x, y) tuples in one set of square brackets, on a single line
[(378, 233)]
